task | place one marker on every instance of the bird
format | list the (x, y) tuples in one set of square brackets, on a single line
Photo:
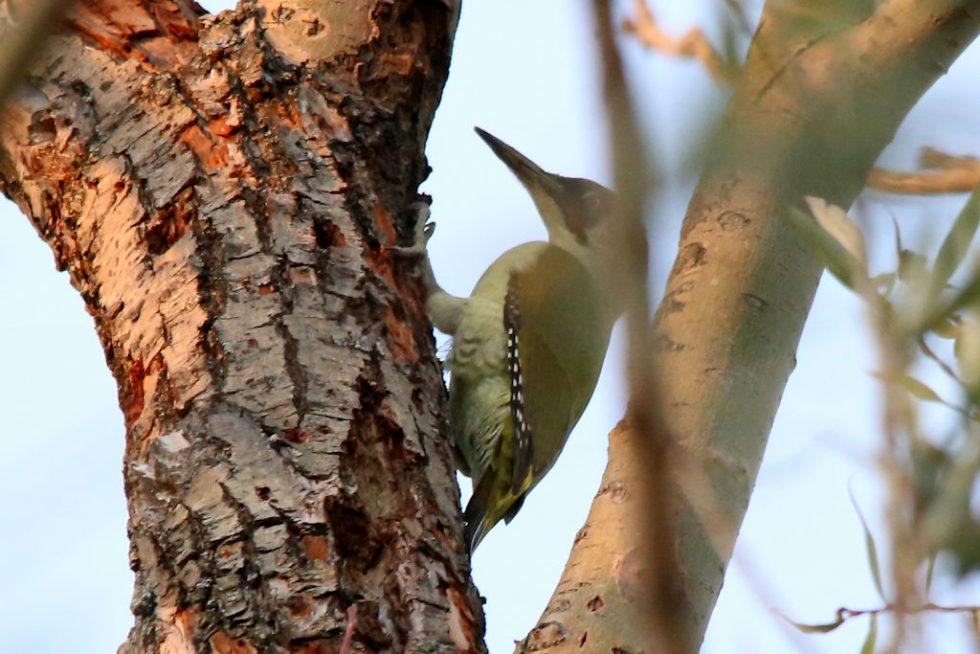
[(529, 342)]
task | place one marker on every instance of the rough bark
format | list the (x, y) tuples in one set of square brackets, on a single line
[(819, 99), (220, 190)]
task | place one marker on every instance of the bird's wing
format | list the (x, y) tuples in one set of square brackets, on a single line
[(523, 444), (560, 334)]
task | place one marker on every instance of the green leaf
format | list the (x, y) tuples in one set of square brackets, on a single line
[(966, 349), (817, 628), (919, 390), (839, 225), (869, 641), (968, 295), (870, 547), (957, 242), (827, 249), (912, 386)]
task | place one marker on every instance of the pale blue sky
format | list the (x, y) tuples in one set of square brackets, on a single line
[(525, 71)]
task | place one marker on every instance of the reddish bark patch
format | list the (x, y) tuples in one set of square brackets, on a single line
[(380, 265), (297, 435), (316, 647), (401, 340), (221, 127), (134, 400), (300, 606), (383, 220), (397, 63), (228, 551), (186, 621), (125, 28), (316, 548), (212, 154), (222, 643)]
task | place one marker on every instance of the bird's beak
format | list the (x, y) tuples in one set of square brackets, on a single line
[(532, 176)]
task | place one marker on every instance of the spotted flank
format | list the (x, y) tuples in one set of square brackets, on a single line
[(523, 445)]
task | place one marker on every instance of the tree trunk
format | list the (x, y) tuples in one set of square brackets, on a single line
[(821, 95), (221, 190)]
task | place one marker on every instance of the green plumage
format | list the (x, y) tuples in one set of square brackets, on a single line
[(530, 340), (563, 333)]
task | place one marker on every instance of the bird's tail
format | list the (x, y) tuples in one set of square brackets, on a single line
[(475, 514), (485, 509)]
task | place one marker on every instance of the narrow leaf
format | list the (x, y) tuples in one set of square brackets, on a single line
[(898, 238), (912, 386), (919, 390), (839, 225), (869, 641), (966, 349), (957, 242), (967, 296), (817, 628), (824, 247), (869, 544)]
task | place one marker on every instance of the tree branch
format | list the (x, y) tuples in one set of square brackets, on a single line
[(948, 174), (693, 45), (819, 98)]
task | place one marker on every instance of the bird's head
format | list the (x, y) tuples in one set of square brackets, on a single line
[(573, 209), (579, 214)]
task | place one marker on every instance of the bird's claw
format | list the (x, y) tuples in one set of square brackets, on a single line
[(422, 232)]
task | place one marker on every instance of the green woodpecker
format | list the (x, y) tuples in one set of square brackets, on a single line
[(529, 342)]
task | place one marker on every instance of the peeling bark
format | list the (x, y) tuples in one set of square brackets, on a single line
[(220, 189)]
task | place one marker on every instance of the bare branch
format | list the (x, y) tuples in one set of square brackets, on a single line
[(945, 174), (654, 544), (844, 614), (693, 45)]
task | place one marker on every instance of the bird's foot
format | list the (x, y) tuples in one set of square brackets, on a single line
[(421, 233)]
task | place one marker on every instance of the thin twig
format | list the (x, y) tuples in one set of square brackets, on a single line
[(943, 173), (945, 367), (693, 45), (899, 427), (845, 613), (633, 172), (960, 180)]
